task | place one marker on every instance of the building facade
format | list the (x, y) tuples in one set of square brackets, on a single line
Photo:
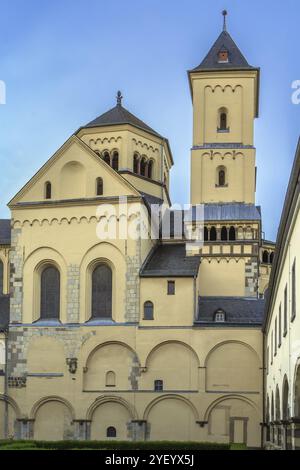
[(140, 337), (282, 327)]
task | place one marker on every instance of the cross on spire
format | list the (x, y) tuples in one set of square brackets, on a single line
[(119, 98), (224, 13)]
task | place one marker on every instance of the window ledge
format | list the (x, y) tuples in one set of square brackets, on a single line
[(223, 131), (221, 185), (100, 321)]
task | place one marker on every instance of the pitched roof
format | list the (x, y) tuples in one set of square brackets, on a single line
[(238, 310), (5, 232), (236, 60), (170, 260), (4, 311), (120, 115)]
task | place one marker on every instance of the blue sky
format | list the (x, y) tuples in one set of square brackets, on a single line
[(63, 61)]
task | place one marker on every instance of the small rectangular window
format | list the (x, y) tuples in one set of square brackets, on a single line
[(285, 312), (279, 327), (158, 385), (293, 293), (171, 287)]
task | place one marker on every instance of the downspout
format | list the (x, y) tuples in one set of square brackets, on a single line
[(6, 385)]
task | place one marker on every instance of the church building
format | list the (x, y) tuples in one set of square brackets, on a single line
[(140, 338)]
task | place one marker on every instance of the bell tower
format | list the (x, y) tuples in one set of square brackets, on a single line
[(225, 90)]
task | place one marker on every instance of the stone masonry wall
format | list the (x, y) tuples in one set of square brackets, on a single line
[(16, 277)]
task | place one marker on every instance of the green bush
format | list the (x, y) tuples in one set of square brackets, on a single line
[(111, 445)]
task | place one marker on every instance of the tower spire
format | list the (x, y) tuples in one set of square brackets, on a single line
[(224, 13)]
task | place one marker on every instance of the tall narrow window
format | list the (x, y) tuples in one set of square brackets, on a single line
[(110, 379), (275, 338), (279, 327), (265, 257), (232, 235), (115, 161), (50, 293), (111, 432), (48, 190), (150, 169), (143, 166), (136, 164), (271, 257), (99, 186), (158, 385), (224, 234), (223, 121), (293, 293), (205, 234), (285, 311), (171, 287), (1, 278), (106, 158), (148, 310), (102, 292), (221, 177), (213, 234)]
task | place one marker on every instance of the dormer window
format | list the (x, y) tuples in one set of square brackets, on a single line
[(223, 56), (220, 316)]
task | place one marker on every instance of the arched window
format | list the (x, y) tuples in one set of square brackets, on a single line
[(220, 316), (148, 310), (115, 161), (1, 277), (110, 379), (223, 118), (150, 169), (111, 432), (232, 235), (224, 234), (48, 190), (50, 293), (265, 257), (99, 186), (143, 166), (106, 158), (102, 292), (136, 163), (158, 385), (221, 176), (213, 234), (271, 257), (205, 234)]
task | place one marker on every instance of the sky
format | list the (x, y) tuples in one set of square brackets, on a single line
[(62, 62)]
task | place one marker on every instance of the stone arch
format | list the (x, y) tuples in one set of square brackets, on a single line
[(172, 416), (232, 366), (171, 342), (14, 414), (111, 356), (111, 412), (223, 398), (53, 419)]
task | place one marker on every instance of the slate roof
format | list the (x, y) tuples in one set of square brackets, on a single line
[(120, 115), (238, 310), (235, 57), (170, 260), (5, 232), (231, 211), (4, 311)]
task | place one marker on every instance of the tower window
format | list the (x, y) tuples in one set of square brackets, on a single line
[(205, 234), (223, 120), (213, 234), (143, 166), (221, 176), (265, 257), (223, 56), (102, 292), (115, 161), (158, 385), (48, 190), (224, 234), (106, 158), (232, 235), (136, 164), (50, 293), (99, 187), (150, 169)]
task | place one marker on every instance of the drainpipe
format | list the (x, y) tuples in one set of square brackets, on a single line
[(6, 385)]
